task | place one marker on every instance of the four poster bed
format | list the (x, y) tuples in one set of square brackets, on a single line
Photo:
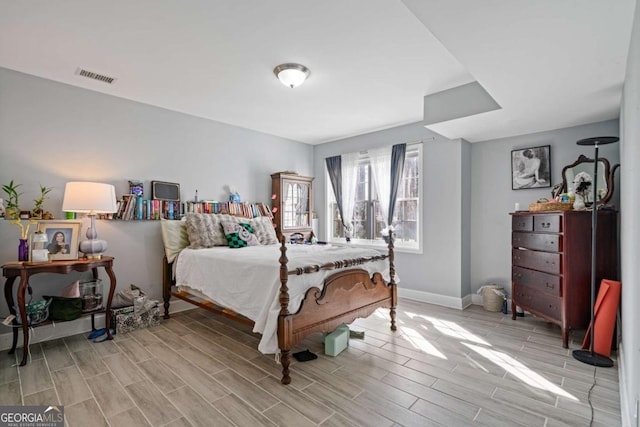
[(313, 288)]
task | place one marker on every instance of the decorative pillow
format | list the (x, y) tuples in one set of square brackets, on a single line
[(205, 230), (239, 235), (264, 231), (174, 237)]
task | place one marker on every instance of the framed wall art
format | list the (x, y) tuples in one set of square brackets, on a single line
[(531, 167), (165, 191), (62, 238)]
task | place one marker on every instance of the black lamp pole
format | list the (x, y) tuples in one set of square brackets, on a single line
[(590, 356)]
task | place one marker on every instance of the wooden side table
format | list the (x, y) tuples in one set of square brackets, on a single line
[(25, 270)]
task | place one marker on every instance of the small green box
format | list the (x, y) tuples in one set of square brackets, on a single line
[(336, 341)]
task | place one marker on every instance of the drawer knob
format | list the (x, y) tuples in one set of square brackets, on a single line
[(546, 224), (549, 286)]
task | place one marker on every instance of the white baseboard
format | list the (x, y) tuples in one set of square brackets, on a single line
[(51, 331), (177, 305), (443, 300), (627, 403), (476, 299), (65, 329)]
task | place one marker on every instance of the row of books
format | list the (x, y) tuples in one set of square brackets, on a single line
[(133, 207), (244, 209)]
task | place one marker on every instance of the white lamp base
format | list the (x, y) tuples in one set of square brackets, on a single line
[(93, 248)]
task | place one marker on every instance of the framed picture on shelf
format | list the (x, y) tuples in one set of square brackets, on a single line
[(62, 238), (169, 191), (531, 167)]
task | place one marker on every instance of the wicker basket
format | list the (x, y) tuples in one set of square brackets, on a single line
[(550, 206), (492, 300)]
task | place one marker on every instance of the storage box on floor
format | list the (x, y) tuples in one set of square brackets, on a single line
[(125, 320)]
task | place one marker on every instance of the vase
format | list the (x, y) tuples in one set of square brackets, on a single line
[(578, 203), (23, 250)]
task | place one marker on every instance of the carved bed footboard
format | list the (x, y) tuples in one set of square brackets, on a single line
[(345, 296)]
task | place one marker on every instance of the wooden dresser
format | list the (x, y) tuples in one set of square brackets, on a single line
[(551, 264)]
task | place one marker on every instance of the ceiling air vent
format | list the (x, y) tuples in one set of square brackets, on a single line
[(95, 76)]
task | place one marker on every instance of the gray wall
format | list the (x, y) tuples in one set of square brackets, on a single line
[(630, 235), (51, 133), (436, 274), (492, 198), (465, 197)]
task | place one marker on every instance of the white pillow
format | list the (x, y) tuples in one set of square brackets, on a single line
[(205, 230), (174, 237), (264, 231)]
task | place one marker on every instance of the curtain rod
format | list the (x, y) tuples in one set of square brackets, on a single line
[(421, 141), (408, 143)]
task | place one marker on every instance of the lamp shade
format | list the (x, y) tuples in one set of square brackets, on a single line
[(291, 75), (89, 197)]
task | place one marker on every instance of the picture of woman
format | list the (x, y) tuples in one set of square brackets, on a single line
[(58, 244), (62, 239), (530, 168)]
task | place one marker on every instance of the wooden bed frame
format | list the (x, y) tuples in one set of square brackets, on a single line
[(346, 296)]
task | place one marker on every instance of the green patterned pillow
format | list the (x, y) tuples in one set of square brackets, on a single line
[(239, 235)]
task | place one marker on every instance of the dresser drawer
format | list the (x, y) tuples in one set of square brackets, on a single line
[(537, 241), (522, 223), (547, 223), (539, 302), (544, 282), (541, 261)]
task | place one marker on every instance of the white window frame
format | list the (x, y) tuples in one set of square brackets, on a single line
[(379, 244)]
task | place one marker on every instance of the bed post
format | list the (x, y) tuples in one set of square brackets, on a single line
[(285, 353), (392, 283), (166, 285)]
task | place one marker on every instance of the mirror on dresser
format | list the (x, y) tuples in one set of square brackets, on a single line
[(585, 165)]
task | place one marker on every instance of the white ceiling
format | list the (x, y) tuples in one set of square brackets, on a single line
[(548, 63)]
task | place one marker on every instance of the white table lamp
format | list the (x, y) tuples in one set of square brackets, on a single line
[(91, 198)]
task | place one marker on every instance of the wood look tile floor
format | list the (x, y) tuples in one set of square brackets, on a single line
[(441, 367)]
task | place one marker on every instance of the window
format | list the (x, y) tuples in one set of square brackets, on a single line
[(368, 223)]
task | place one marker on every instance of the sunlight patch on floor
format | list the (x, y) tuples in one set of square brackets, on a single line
[(418, 341), (520, 371), (451, 329)]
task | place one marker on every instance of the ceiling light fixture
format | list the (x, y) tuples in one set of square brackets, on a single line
[(291, 75)]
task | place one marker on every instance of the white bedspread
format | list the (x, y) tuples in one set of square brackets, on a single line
[(247, 280)]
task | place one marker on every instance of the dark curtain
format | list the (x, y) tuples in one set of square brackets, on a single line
[(397, 165), (334, 166)]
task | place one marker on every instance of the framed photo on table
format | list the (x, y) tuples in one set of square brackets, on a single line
[(62, 238), (531, 167)]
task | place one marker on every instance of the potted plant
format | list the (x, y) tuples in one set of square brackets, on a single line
[(13, 206), (39, 202)]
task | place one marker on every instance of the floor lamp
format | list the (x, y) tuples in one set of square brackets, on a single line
[(589, 356)]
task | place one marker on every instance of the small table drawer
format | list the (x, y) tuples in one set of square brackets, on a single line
[(522, 223), (547, 223), (544, 282), (537, 241), (538, 302), (541, 261)]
